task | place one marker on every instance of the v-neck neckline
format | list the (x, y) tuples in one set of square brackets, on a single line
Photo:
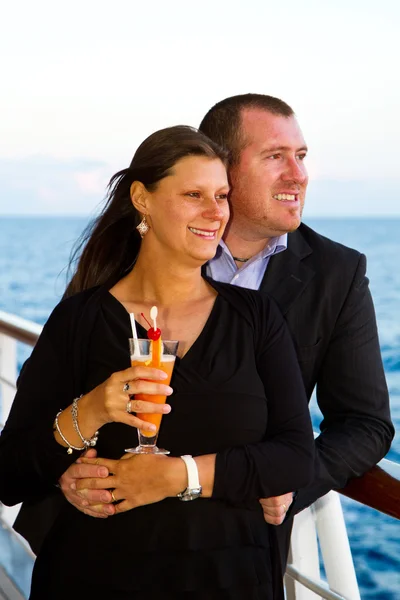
[(195, 342)]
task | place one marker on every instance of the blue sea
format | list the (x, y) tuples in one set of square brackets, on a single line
[(34, 253)]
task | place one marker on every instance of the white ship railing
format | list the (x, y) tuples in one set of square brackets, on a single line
[(322, 523)]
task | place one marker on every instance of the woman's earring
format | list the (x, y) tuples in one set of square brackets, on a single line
[(143, 227)]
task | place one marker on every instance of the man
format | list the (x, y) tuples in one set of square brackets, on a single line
[(320, 287)]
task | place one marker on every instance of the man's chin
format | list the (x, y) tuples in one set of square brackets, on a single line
[(293, 222), (286, 226), (294, 226)]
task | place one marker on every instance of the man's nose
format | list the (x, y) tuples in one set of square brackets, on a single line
[(295, 171)]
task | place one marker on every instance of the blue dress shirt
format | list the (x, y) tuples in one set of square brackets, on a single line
[(250, 274)]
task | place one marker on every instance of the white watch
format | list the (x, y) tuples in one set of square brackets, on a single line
[(194, 488)]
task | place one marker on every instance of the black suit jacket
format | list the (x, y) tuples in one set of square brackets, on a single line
[(321, 288)]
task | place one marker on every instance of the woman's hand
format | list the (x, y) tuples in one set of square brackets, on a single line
[(136, 479), (108, 402)]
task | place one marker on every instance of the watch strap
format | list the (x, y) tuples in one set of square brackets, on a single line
[(192, 472)]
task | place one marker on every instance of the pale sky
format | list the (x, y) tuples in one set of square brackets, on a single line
[(83, 83)]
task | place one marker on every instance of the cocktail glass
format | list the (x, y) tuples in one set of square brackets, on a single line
[(141, 355)]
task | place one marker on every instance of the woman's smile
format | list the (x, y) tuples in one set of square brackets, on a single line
[(207, 234)]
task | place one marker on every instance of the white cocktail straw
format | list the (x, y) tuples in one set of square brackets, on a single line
[(134, 334)]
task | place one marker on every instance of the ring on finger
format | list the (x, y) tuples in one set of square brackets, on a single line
[(112, 496), (126, 387), (284, 507), (129, 407)]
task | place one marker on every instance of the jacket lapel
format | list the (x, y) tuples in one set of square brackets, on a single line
[(286, 275)]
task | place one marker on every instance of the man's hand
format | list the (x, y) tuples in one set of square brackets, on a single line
[(96, 503), (276, 507)]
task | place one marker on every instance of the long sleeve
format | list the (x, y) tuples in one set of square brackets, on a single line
[(31, 461), (356, 430), (284, 460)]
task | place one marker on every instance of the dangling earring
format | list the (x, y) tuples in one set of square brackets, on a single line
[(143, 227)]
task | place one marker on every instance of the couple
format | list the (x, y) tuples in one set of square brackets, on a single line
[(238, 404)]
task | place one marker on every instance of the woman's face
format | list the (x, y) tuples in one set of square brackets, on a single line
[(188, 211)]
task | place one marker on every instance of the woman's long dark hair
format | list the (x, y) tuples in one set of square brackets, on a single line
[(110, 244)]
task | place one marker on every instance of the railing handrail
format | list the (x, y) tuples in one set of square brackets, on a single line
[(379, 488), (318, 587), (21, 329)]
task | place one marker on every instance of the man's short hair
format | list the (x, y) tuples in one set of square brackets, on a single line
[(223, 122)]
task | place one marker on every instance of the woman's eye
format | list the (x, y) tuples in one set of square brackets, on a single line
[(222, 196), (193, 194)]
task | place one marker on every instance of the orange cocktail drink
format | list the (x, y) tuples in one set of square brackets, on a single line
[(159, 354), (166, 364)]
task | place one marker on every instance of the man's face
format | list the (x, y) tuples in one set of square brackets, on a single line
[(269, 182)]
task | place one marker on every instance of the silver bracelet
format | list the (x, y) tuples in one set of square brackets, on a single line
[(87, 442), (70, 446)]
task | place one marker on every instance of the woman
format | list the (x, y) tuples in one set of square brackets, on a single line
[(238, 404)]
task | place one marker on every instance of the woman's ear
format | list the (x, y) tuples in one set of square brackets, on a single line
[(139, 196)]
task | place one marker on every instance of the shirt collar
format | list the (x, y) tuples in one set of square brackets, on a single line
[(275, 244)]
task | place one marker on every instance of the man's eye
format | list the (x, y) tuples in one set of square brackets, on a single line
[(274, 156), (301, 156), (193, 194)]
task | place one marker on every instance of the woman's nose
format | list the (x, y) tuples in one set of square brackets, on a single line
[(214, 211)]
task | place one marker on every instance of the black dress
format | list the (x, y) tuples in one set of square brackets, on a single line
[(238, 393)]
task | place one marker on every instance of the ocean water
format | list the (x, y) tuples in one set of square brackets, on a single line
[(34, 253)]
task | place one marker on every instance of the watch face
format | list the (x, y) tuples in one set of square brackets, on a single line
[(195, 493), (190, 494)]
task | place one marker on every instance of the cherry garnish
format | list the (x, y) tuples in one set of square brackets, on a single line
[(154, 334)]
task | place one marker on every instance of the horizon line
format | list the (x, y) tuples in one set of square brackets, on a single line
[(86, 216)]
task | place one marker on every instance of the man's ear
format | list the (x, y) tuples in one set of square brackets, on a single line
[(139, 196)]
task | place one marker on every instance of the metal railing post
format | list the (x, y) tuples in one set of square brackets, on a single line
[(8, 373), (303, 555), (335, 547)]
